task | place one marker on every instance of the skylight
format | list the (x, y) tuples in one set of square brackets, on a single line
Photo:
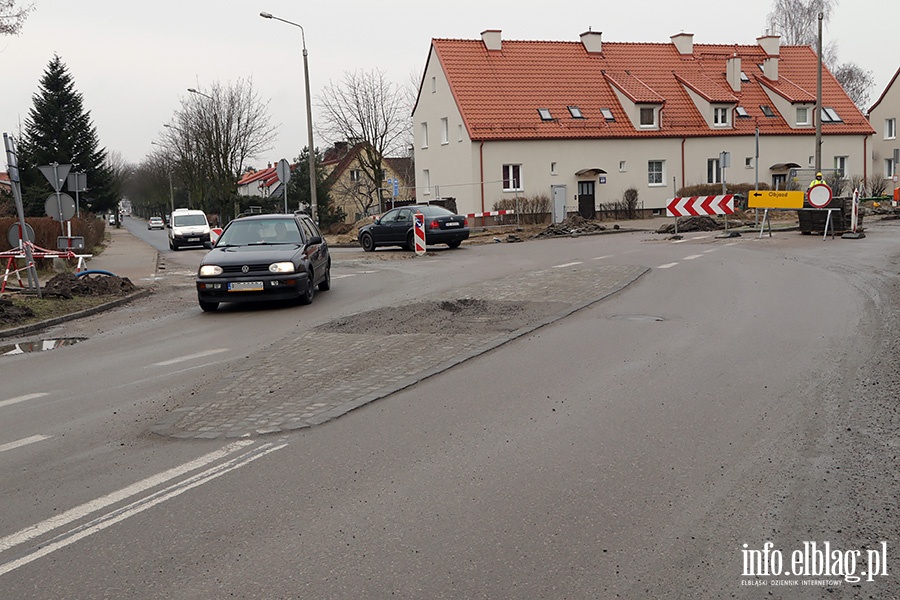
[(829, 115), (575, 112), (742, 112), (545, 114), (607, 114), (744, 77), (766, 110)]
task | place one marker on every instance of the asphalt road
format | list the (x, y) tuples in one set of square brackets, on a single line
[(733, 394)]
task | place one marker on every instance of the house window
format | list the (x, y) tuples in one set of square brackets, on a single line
[(426, 182), (575, 112), (459, 132), (766, 110), (655, 172), (355, 175), (829, 115), (607, 114), (623, 166), (713, 171), (748, 162), (812, 161), (802, 115), (553, 169), (742, 112), (744, 77), (424, 135), (890, 129), (840, 165), (433, 84), (720, 116), (545, 114), (648, 117), (888, 168), (445, 131), (512, 178)]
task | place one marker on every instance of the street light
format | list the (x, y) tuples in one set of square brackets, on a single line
[(169, 169), (199, 93), (309, 127)]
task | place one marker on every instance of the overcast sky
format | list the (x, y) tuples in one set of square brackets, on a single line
[(133, 61)]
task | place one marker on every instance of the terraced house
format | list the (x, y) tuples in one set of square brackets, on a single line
[(883, 115), (582, 121)]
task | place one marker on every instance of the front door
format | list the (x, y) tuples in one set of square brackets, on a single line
[(586, 199), (559, 203), (779, 181)]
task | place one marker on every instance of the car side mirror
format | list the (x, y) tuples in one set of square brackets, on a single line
[(316, 239)]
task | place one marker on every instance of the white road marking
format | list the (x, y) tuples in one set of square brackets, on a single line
[(732, 243), (701, 237), (87, 508), (24, 442), (18, 399), (692, 257), (571, 264), (602, 257), (174, 361), (667, 265), (116, 516), (710, 250)]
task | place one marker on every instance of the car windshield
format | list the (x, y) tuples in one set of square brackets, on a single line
[(186, 220), (261, 231)]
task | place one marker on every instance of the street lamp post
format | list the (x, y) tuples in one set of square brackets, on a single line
[(309, 127)]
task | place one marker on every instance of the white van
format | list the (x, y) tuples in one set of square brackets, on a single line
[(188, 228)]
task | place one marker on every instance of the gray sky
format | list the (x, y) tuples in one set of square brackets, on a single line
[(133, 61)]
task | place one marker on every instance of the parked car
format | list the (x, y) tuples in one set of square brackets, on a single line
[(395, 228), (188, 228), (156, 223), (265, 257)]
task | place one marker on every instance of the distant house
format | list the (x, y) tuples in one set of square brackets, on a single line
[(581, 122), (5, 186), (883, 116), (353, 190), (259, 184)]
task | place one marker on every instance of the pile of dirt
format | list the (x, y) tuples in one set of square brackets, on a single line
[(573, 225), (10, 314), (351, 235), (67, 285), (686, 224)]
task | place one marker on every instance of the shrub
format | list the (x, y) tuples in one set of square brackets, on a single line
[(531, 209)]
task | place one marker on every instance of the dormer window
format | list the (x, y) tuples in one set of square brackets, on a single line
[(802, 115), (545, 114), (720, 116), (575, 112), (607, 114), (766, 110), (648, 116)]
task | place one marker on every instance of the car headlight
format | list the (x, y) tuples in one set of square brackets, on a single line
[(210, 270), (281, 267)]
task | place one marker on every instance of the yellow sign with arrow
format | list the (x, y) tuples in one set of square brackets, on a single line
[(775, 198)]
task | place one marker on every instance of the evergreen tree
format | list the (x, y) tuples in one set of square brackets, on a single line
[(58, 129), (298, 191)]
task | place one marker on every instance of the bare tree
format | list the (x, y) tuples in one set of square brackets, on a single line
[(797, 22), (214, 134), (367, 109), (12, 17)]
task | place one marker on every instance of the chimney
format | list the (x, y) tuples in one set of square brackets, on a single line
[(771, 45), (733, 72), (491, 39), (593, 41), (684, 43)]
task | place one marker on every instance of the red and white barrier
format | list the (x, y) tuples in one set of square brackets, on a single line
[(419, 233), (493, 213)]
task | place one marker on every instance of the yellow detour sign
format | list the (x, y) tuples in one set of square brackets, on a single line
[(775, 199)]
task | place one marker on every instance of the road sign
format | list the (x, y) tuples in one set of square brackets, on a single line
[(14, 237), (76, 182), (419, 233), (396, 183), (214, 233), (819, 195), (775, 199), (56, 174), (283, 170), (59, 207), (700, 205)]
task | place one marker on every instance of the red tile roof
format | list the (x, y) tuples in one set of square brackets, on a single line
[(498, 93)]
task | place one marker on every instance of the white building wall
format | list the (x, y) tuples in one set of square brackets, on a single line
[(883, 144)]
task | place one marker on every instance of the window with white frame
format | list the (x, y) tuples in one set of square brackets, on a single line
[(459, 133), (648, 116), (655, 172), (433, 84), (445, 131), (888, 168), (623, 166), (355, 175), (553, 169), (802, 115), (840, 165), (890, 129), (426, 182), (748, 162), (713, 172), (512, 178), (720, 116), (424, 135)]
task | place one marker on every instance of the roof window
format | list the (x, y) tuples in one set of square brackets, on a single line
[(576, 112), (766, 110), (607, 114), (744, 77), (829, 115), (742, 112), (545, 114)]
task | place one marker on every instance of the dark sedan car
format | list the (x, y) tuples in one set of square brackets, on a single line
[(395, 228), (265, 257)]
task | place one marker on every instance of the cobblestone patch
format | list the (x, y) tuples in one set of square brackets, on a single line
[(344, 365)]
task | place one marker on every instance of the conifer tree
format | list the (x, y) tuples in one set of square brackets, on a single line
[(58, 129)]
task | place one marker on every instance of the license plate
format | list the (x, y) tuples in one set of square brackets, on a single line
[(193, 239), (246, 286), (451, 224)]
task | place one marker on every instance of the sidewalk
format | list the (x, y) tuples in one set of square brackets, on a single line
[(126, 256)]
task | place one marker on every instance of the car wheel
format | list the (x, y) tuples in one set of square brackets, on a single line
[(411, 241), (325, 284), (453, 245), (367, 242), (208, 306), (307, 296)]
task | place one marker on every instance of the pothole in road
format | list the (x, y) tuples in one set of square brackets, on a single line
[(449, 317), (38, 345)]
